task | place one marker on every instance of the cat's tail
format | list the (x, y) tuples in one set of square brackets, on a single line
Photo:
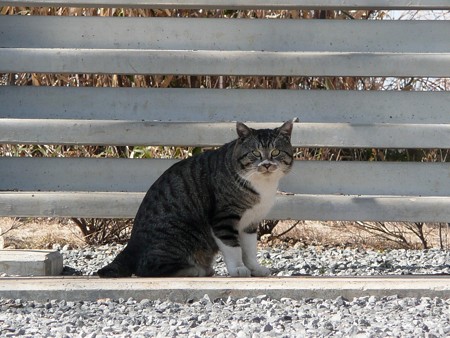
[(121, 266)]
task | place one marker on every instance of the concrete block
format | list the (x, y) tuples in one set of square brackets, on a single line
[(31, 262), (194, 288)]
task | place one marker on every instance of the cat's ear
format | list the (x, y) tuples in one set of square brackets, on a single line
[(286, 128), (242, 130)]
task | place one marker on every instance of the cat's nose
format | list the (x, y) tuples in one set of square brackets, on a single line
[(266, 164)]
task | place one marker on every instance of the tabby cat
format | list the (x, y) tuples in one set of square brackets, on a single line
[(206, 203)]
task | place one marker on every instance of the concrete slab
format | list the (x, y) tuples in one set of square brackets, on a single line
[(31, 262), (184, 289)]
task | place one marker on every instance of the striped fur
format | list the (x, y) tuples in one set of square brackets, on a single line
[(209, 202)]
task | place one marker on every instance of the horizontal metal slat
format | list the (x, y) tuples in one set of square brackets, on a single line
[(80, 174), (307, 177), (232, 47), (177, 34), (215, 105), (308, 207), (245, 63), (238, 4), (341, 135), (365, 208)]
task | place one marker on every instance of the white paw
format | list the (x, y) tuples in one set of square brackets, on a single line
[(261, 271), (240, 271)]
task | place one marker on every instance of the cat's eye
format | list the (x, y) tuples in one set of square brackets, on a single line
[(256, 153), (275, 152)]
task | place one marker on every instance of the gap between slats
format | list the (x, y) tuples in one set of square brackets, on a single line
[(238, 4)]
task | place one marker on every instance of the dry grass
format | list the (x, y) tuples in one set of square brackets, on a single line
[(42, 233), (38, 233)]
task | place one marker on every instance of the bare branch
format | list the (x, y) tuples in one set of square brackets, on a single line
[(286, 231), (14, 226)]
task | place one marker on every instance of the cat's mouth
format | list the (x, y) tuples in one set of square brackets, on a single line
[(267, 167)]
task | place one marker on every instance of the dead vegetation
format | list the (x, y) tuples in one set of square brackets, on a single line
[(364, 235), (38, 233), (103, 230), (43, 233)]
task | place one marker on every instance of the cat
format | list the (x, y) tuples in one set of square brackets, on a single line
[(209, 202)]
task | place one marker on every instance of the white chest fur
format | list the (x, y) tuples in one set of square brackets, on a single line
[(267, 189)]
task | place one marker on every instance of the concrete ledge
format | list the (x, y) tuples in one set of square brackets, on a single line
[(183, 289), (31, 262)]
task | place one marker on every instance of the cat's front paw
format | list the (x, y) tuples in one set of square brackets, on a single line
[(240, 271), (261, 271)]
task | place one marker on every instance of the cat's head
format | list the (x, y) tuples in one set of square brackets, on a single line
[(264, 152)]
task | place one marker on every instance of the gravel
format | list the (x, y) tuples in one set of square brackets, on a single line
[(247, 317), (296, 261)]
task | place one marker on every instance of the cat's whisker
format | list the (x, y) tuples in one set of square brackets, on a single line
[(243, 180)]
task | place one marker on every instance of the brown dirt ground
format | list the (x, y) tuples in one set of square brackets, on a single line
[(34, 233)]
